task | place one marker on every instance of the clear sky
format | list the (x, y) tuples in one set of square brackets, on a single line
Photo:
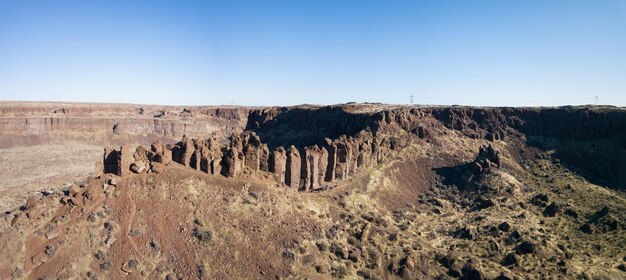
[(321, 52)]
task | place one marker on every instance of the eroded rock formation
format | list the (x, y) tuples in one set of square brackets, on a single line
[(325, 144), (307, 168)]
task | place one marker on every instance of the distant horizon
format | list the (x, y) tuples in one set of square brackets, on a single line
[(304, 104), (285, 53)]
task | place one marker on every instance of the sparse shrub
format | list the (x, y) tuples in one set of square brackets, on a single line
[(339, 272), (203, 235), (105, 266), (288, 255)]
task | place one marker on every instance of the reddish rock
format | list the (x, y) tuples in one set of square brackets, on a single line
[(124, 160), (187, 151)]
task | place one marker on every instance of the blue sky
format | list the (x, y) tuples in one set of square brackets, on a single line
[(491, 53)]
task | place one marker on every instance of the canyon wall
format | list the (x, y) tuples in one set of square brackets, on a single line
[(588, 139), (104, 124), (306, 147)]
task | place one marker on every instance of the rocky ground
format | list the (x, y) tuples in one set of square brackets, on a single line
[(447, 206), (533, 220)]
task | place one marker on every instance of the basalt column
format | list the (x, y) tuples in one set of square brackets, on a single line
[(344, 157), (187, 151), (216, 162), (331, 148), (323, 164), (110, 160), (124, 160), (251, 151), (292, 172), (310, 168), (237, 158), (277, 164), (160, 153), (214, 156), (264, 157), (229, 163)]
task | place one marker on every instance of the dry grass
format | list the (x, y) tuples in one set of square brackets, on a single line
[(26, 169)]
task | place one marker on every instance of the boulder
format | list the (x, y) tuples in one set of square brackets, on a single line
[(599, 214), (157, 167), (526, 247), (504, 226), (586, 228), (138, 167), (551, 210), (540, 199), (157, 147), (509, 260), (31, 202), (464, 233), (141, 154)]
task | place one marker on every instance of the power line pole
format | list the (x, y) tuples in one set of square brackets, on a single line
[(411, 100)]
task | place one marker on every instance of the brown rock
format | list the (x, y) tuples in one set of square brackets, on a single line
[(292, 171), (264, 157), (344, 157), (322, 165), (187, 151), (138, 167), (331, 148), (124, 160), (310, 168), (277, 164), (251, 151), (229, 163), (157, 167), (141, 154), (31, 202)]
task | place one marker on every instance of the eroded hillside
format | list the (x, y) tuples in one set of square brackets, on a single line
[(353, 191)]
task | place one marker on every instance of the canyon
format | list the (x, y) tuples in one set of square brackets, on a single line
[(357, 190)]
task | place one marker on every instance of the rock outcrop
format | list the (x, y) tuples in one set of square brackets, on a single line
[(328, 144), (308, 168)]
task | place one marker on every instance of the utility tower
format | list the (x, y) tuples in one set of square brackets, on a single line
[(411, 100), (596, 100)]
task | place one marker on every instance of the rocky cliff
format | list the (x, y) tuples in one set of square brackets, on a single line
[(307, 146), (33, 123)]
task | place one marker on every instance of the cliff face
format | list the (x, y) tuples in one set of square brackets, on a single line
[(302, 126), (28, 123), (592, 140)]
